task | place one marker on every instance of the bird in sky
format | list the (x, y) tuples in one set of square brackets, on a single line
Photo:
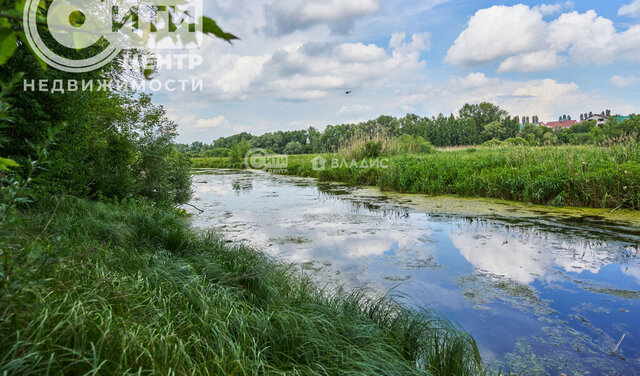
[(348, 92)]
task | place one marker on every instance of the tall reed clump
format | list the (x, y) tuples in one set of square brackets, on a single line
[(130, 289), (360, 148), (588, 176)]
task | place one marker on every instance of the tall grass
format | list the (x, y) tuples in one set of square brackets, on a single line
[(374, 147), (131, 289), (584, 176)]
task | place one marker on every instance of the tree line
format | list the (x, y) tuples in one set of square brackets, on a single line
[(476, 124)]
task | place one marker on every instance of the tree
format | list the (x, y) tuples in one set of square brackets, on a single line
[(293, 148), (482, 114), (239, 152), (113, 144)]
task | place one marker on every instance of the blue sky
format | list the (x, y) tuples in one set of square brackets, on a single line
[(298, 57)]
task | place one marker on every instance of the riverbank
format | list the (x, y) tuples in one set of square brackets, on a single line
[(580, 176), (128, 288)]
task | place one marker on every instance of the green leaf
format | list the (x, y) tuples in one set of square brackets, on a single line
[(24, 40), (148, 73), (6, 163), (20, 5), (12, 13), (8, 44), (210, 27)]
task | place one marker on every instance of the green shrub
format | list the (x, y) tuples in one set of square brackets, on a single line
[(492, 143), (239, 152), (216, 153), (516, 141), (372, 149)]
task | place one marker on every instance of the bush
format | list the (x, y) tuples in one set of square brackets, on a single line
[(492, 143), (294, 148), (581, 139), (407, 144), (516, 141), (216, 153), (239, 151), (372, 149)]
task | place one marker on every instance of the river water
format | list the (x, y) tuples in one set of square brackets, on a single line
[(541, 295)]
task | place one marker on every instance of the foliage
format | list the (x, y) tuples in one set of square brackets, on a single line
[(476, 124), (516, 141), (588, 176), (407, 144), (372, 149), (492, 143), (239, 152), (293, 147), (130, 289), (482, 114)]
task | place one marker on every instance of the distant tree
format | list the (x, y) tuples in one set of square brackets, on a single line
[(293, 148), (483, 114), (239, 151)]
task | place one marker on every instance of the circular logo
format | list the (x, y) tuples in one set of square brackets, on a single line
[(256, 159), (76, 24)]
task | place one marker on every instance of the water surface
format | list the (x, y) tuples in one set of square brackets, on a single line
[(541, 295)]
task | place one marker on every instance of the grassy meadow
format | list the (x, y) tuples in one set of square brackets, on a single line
[(100, 288), (582, 176)]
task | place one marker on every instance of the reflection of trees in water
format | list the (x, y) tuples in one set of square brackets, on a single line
[(242, 185), (558, 228), (382, 205)]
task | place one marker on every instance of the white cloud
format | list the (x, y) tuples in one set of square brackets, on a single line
[(287, 16), (632, 9), (316, 70), (624, 81), (587, 37), (549, 9), (546, 98), (419, 43), (519, 37), (475, 80), (496, 33), (531, 62), (357, 109), (216, 122)]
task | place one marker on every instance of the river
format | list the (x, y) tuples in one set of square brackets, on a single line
[(540, 294)]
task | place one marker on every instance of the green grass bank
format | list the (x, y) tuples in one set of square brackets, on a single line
[(93, 288), (581, 176)]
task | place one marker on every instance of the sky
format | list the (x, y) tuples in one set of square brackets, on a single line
[(297, 58)]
